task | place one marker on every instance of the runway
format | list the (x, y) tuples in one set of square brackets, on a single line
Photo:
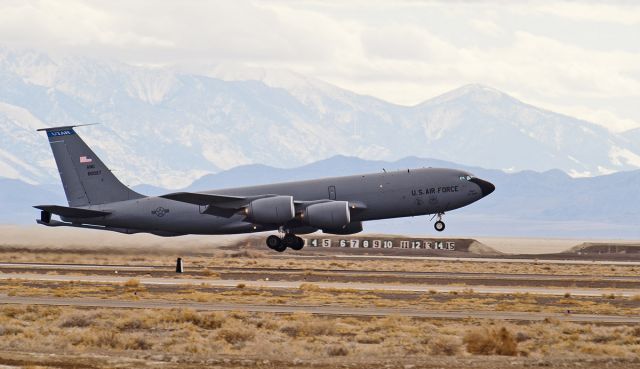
[(492, 260), (427, 288), (318, 309)]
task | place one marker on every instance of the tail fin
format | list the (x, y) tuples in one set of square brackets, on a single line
[(85, 178)]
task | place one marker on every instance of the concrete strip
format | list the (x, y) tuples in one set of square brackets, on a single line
[(320, 310), (229, 283), (444, 275)]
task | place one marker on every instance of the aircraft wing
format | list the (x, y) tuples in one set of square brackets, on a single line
[(220, 205), (353, 205), (227, 206), (68, 212), (222, 201)]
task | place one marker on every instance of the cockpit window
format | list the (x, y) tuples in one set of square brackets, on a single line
[(466, 178)]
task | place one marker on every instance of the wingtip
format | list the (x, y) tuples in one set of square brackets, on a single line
[(172, 195)]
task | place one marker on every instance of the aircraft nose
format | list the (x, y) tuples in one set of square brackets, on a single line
[(485, 186)]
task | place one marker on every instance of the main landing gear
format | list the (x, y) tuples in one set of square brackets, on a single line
[(439, 224), (289, 240)]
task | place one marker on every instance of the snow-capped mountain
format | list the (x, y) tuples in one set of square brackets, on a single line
[(633, 135), (168, 128)]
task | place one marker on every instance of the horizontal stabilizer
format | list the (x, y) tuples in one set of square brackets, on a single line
[(68, 212), (61, 128)]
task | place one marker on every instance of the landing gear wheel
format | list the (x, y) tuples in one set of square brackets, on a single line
[(439, 226), (299, 244), (290, 240), (275, 243)]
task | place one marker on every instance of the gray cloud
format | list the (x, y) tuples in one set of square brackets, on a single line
[(402, 52)]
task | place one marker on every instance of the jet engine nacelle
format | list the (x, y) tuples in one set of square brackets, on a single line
[(328, 215), (271, 210)]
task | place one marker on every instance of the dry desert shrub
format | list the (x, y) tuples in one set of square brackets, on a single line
[(138, 342), (522, 336), (108, 339), (210, 273), (309, 287), (10, 329), (132, 323), (236, 334), (11, 311), (132, 283), (390, 323), (337, 350), (603, 350), (445, 345), (491, 341), (309, 326), (79, 320), (370, 339), (92, 337), (201, 320), (602, 338), (249, 254), (263, 322)]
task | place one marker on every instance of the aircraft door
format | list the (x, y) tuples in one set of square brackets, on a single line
[(332, 192)]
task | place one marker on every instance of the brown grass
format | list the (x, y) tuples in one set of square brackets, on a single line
[(445, 345), (491, 341), (337, 350), (132, 283), (208, 321), (306, 325), (80, 320), (192, 336)]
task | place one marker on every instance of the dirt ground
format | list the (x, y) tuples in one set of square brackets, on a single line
[(76, 337), (102, 338)]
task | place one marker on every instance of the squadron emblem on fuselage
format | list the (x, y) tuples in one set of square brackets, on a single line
[(160, 212)]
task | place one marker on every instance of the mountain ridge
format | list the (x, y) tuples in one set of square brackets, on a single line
[(168, 128)]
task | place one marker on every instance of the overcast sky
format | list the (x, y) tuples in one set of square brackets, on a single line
[(578, 58)]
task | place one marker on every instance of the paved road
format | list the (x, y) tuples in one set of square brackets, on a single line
[(452, 276), (83, 266), (538, 290), (321, 310), (490, 260)]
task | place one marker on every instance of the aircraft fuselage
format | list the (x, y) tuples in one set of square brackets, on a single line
[(378, 196)]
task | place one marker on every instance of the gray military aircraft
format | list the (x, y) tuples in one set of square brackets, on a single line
[(338, 205)]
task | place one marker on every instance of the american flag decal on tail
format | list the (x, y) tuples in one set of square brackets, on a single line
[(85, 160)]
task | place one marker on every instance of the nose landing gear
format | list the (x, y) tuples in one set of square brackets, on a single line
[(439, 224), (289, 240)]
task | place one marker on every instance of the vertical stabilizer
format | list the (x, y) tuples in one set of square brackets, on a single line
[(85, 178)]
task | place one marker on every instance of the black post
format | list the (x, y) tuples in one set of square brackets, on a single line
[(179, 268)]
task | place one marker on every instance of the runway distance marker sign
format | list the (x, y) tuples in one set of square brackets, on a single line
[(355, 243)]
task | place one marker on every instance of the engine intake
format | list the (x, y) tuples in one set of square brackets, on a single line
[(328, 215), (271, 210)]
